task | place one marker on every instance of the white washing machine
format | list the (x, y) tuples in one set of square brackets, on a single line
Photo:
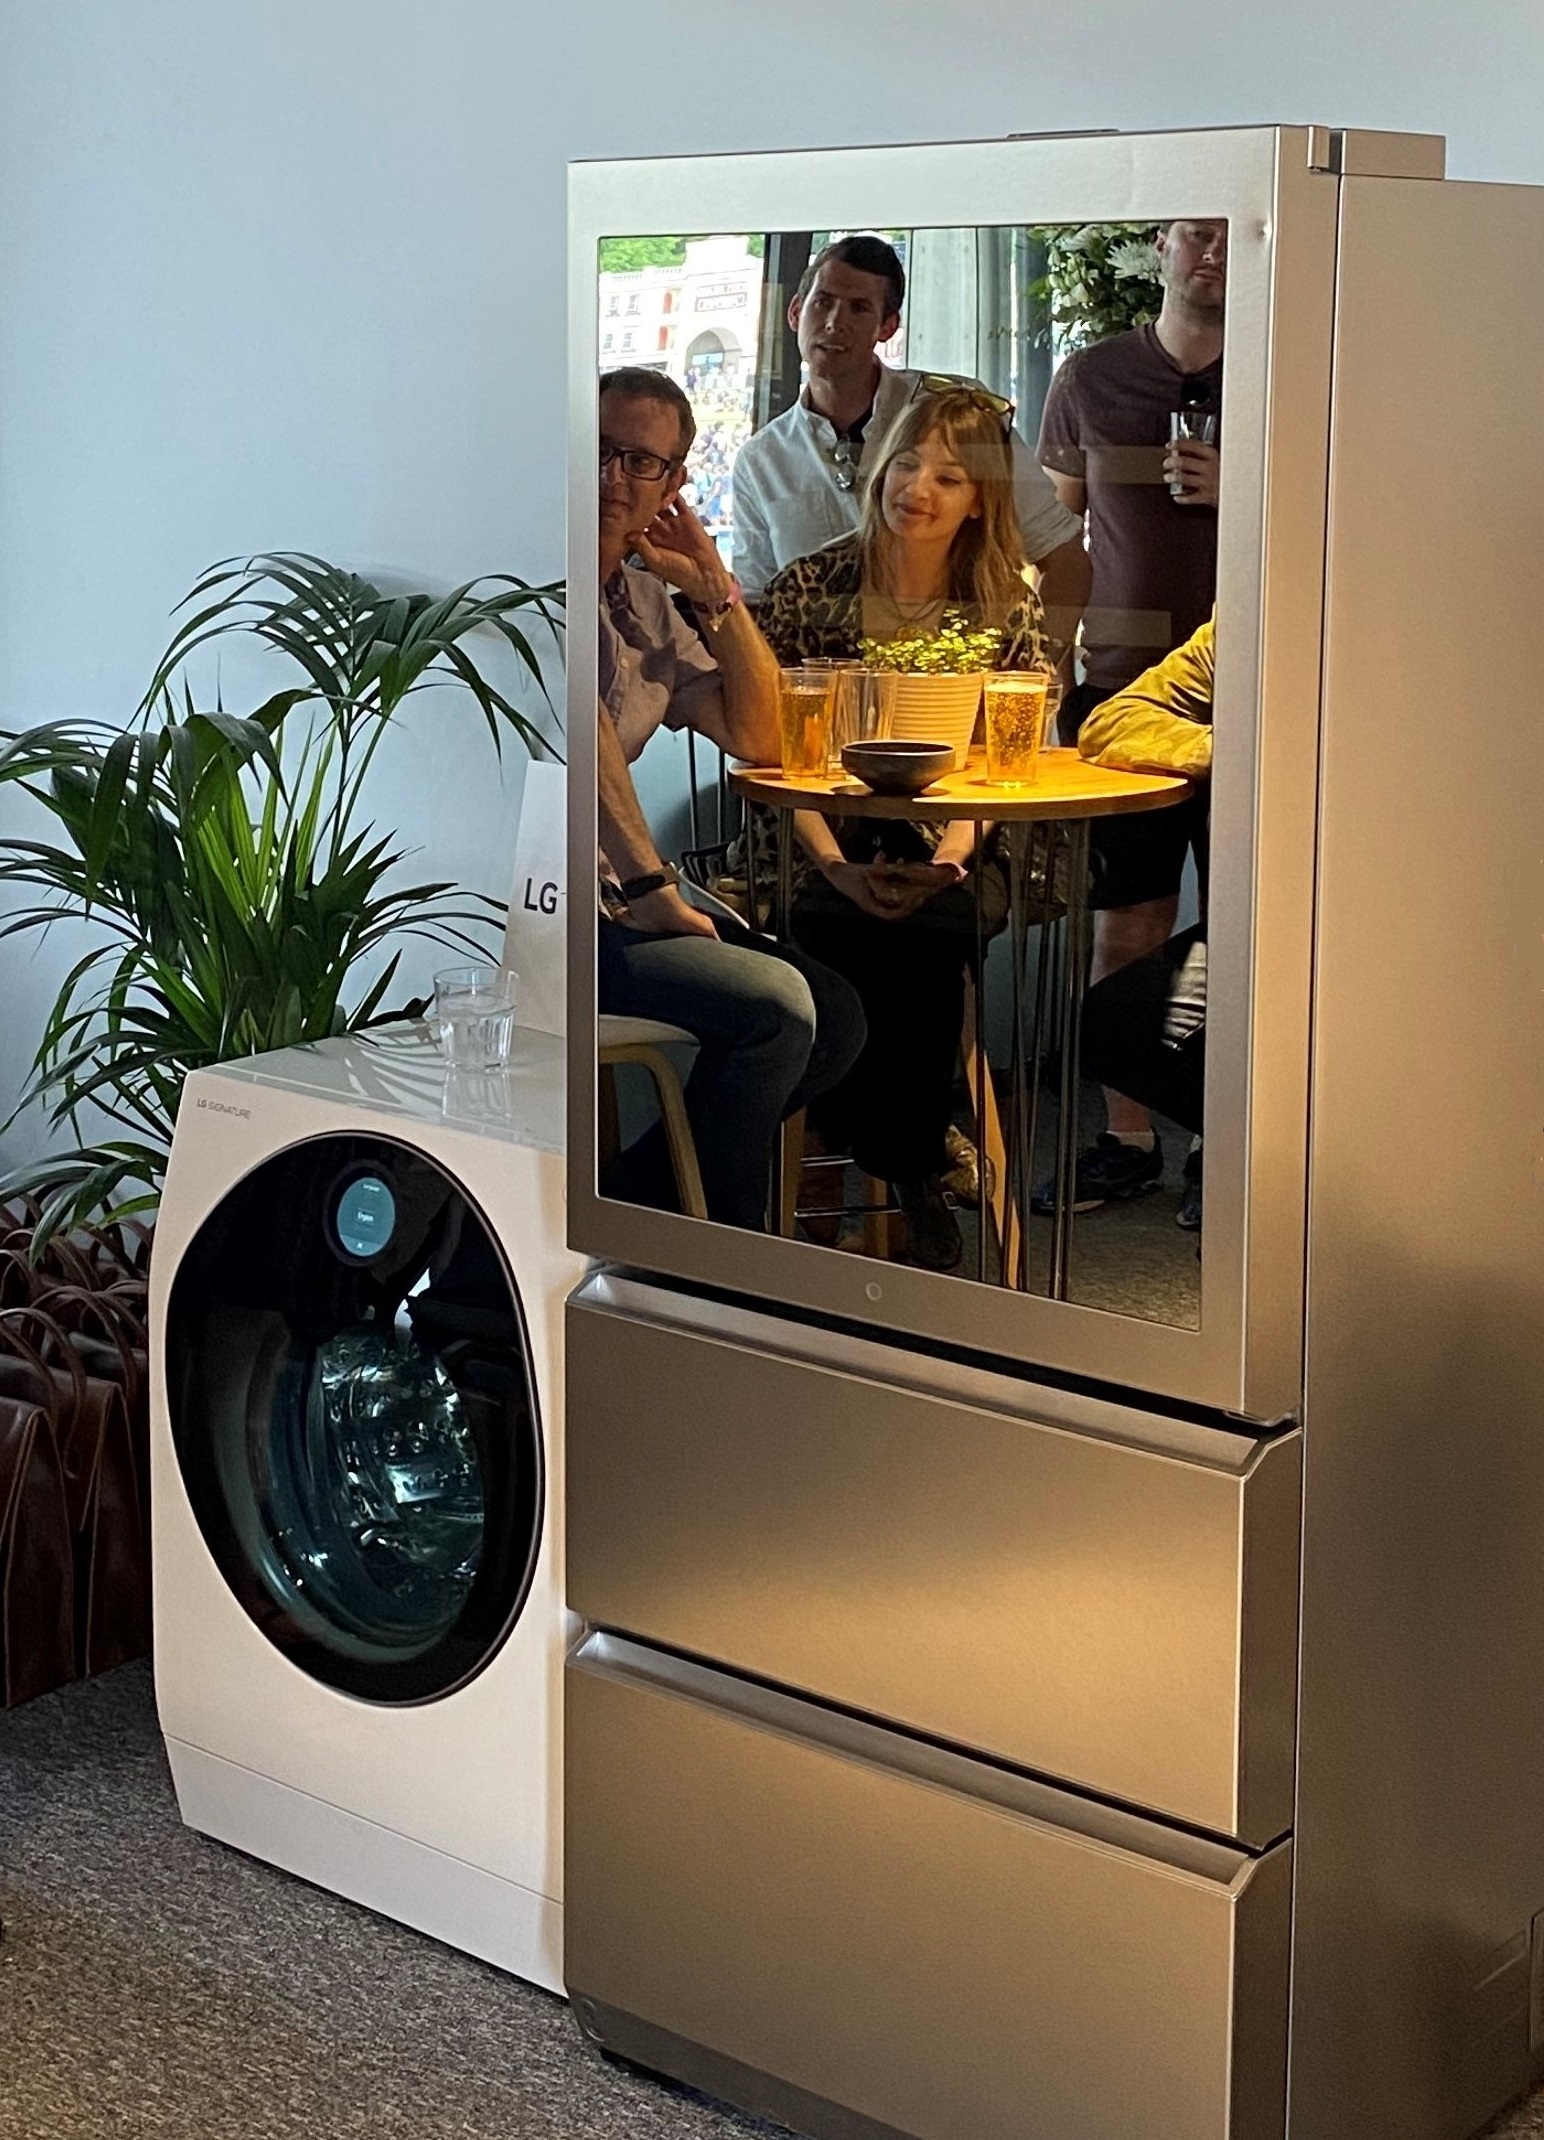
[(356, 1333)]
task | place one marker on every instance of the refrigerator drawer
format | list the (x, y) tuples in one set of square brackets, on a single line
[(1081, 1588), (867, 1936)]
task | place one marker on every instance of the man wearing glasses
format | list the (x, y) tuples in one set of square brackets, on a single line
[(795, 483), (773, 1028)]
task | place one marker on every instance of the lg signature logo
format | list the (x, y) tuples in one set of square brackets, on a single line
[(223, 1107)]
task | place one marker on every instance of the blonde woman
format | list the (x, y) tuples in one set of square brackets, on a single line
[(886, 903)]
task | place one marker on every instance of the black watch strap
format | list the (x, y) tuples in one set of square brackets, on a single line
[(652, 880)]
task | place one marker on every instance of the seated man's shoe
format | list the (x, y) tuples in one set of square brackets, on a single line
[(961, 1179), (1189, 1212), (1108, 1172), (934, 1231)]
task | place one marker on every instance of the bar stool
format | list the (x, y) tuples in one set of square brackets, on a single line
[(642, 1041)]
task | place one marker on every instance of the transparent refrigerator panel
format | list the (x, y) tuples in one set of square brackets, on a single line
[(869, 499)]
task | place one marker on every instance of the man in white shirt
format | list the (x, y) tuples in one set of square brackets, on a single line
[(795, 483)]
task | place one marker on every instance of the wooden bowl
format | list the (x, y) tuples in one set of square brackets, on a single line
[(898, 768)]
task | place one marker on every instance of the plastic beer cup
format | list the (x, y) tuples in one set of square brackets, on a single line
[(1015, 725), (804, 710)]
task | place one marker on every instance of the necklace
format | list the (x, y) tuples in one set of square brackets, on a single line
[(911, 611), (908, 612)]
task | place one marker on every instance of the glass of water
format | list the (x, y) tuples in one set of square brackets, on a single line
[(474, 1009)]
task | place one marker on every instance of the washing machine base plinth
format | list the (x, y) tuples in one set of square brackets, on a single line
[(474, 1911)]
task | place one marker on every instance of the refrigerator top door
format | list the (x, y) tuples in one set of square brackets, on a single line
[(1240, 1351)]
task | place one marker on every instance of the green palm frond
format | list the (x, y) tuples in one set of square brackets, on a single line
[(362, 649), (238, 903)]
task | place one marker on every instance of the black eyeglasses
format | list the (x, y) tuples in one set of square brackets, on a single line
[(980, 396), (641, 466)]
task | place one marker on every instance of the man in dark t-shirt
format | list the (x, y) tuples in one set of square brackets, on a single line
[(1151, 514)]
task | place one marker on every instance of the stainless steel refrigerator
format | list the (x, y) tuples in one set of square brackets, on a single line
[(1003, 1717)]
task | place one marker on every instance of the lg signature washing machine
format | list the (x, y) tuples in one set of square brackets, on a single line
[(356, 1330)]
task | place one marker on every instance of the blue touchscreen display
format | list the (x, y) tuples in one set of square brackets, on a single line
[(367, 1213)]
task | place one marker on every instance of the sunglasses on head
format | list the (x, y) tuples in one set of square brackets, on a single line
[(980, 397)]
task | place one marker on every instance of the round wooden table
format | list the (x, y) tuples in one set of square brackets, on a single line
[(1066, 795)]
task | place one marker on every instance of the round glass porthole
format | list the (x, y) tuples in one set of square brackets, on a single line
[(355, 1418)]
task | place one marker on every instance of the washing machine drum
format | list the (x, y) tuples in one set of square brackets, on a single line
[(353, 1408)]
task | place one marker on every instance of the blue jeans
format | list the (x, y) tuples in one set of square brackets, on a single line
[(773, 1029)]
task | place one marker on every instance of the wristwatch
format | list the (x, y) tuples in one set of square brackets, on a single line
[(652, 880), (714, 613)]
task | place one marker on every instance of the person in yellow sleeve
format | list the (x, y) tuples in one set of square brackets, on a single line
[(1144, 1025)]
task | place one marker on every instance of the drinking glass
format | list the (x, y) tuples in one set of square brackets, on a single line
[(474, 1008), (862, 708), (876, 691), (1015, 725), (1190, 423), (842, 704), (804, 709)]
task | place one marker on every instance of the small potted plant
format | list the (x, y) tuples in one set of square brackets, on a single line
[(938, 688)]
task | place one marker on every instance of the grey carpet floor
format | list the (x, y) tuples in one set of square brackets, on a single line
[(152, 1982)]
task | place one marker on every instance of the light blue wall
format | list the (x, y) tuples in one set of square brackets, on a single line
[(292, 274)]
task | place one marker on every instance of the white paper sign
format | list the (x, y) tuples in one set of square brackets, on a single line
[(536, 937)]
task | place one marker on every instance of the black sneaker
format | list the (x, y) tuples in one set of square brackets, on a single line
[(1109, 1172), (935, 1239), (1189, 1212)]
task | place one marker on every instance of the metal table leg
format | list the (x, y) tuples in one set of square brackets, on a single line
[(1074, 980), (693, 806), (978, 1097), (784, 1159), (1053, 844), (1020, 1161), (752, 884)]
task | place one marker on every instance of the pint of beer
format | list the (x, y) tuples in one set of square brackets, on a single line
[(804, 709), (1015, 725)]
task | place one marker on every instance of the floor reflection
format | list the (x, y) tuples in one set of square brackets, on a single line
[(1128, 1258)]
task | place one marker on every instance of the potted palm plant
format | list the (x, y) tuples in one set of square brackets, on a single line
[(236, 897)]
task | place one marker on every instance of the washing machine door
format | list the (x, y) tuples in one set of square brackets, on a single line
[(354, 1413)]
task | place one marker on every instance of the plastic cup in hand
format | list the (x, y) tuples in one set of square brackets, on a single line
[(804, 712), (1199, 424), (474, 1008), (1015, 725)]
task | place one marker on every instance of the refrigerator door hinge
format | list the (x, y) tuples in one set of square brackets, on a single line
[(1355, 152)]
